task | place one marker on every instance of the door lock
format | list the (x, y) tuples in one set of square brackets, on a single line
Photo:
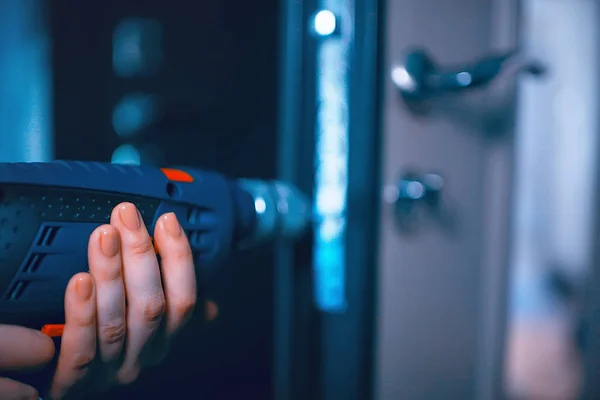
[(417, 198)]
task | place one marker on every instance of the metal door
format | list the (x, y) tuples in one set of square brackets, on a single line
[(442, 291)]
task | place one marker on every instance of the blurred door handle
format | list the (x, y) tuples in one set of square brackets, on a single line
[(420, 78), (417, 197), (424, 86)]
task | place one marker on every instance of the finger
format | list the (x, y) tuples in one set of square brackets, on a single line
[(22, 349), (105, 267), (13, 390), (143, 287), (178, 275), (211, 310), (78, 349)]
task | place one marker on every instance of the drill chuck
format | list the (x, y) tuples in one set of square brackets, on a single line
[(280, 210)]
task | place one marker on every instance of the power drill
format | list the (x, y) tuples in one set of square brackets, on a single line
[(49, 210)]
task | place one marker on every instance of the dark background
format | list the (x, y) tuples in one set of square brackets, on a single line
[(218, 88)]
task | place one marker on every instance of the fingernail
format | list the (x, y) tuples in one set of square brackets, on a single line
[(109, 244), (171, 224), (84, 287), (130, 217)]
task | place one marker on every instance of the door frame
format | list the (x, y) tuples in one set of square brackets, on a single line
[(330, 356), (318, 354)]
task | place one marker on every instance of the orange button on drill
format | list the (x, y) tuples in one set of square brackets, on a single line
[(177, 175), (53, 330)]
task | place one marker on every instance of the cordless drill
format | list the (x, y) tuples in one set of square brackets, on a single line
[(49, 210)]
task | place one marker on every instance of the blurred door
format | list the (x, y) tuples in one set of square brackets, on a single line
[(443, 264)]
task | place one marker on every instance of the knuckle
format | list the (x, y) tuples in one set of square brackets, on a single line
[(179, 255), (113, 332), (154, 307), (141, 247), (84, 319), (185, 308), (83, 361), (184, 253), (108, 272)]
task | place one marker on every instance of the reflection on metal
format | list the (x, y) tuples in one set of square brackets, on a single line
[(416, 199), (331, 156), (419, 78), (137, 48), (478, 95)]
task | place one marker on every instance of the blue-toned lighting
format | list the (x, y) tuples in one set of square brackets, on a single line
[(134, 113), (126, 154), (260, 205), (325, 23), (331, 163)]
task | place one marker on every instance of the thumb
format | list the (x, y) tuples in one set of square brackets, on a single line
[(13, 390), (23, 349)]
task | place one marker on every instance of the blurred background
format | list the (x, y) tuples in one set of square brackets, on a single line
[(450, 149)]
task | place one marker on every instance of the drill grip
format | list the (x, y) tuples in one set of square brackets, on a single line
[(49, 210)]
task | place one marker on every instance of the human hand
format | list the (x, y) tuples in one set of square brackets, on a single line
[(121, 317), (22, 350)]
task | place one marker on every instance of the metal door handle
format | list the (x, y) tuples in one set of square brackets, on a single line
[(419, 78)]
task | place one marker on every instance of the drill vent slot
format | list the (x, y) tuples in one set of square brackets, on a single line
[(194, 214), (196, 239), (47, 236), (33, 263), (17, 290)]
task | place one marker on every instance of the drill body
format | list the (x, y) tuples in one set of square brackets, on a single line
[(49, 210)]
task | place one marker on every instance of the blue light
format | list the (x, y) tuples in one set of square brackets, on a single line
[(331, 164), (329, 278), (325, 23), (134, 113), (126, 154), (260, 205), (137, 47)]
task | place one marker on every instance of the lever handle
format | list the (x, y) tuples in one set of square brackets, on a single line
[(420, 78)]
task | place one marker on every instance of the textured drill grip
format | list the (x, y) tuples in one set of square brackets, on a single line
[(49, 210)]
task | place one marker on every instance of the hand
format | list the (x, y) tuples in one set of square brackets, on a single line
[(121, 316), (22, 350)]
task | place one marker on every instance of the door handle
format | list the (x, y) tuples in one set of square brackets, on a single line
[(420, 78), (427, 89)]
